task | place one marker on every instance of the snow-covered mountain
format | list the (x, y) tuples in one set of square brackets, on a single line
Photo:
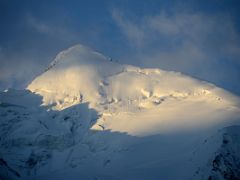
[(88, 117)]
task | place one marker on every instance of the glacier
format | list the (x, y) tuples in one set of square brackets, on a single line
[(89, 117)]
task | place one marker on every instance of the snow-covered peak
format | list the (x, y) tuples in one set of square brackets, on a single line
[(78, 54), (80, 74), (75, 73)]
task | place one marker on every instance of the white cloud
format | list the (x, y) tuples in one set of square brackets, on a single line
[(188, 37), (37, 25), (60, 31), (134, 33), (163, 24)]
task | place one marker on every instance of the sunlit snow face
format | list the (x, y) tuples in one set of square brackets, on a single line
[(131, 99)]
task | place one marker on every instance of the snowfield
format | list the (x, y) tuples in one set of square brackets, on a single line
[(88, 117)]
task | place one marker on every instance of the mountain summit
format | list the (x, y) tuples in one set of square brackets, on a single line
[(77, 71), (81, 75), (89, 117)]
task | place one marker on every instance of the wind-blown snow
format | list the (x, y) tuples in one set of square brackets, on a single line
[(88, 116)]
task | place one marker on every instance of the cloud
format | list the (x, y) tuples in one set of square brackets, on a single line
[(134, 33), (163, 24), (182, 33), (37, 25), (215, 32), (51, 29)]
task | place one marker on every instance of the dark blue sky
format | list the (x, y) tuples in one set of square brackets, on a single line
[(199, 38)]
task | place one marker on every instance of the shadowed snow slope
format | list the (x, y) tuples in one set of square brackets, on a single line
[(88, 117)]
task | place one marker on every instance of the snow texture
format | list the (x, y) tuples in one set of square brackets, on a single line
[(88, 117)]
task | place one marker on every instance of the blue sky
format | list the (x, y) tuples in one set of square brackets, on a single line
[(198, 38)]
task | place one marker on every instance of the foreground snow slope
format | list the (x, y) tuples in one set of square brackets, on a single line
[(89, 117)]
